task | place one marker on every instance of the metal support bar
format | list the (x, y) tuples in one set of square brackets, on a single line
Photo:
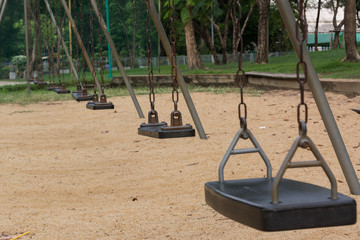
[(242, 151), (63, 43), (3, 10), (304, 164), (26, 5), (117, 57), (166, 44), (80, 42), (321, 101)]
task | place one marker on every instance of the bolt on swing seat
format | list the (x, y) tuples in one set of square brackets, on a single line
[(162, 130), (61, 89), (82, 95), (99, 105), (275, 204)]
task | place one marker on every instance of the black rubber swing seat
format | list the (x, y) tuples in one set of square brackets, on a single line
[(50, 87), (162, 130), (60, 90), (275, 203), (356, 110), (41, 83), (302, 205), (79, 96), (100, 105)]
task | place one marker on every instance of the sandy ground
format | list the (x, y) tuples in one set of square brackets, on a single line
[(71, 173)]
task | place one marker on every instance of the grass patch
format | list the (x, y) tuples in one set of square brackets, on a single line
[(18, 94)]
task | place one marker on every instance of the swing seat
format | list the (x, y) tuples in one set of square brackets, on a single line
[(151, 129), (50, 87), (161, 130), (100, 105), (78, 96), (42, 83), (61, 90), (302, 205), (356, 110)]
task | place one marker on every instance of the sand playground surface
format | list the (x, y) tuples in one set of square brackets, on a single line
[(67, 172)]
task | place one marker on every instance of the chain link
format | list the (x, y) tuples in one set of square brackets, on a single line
[(241, 78), (300, 37), (100, 48), (92, 47), (175, 92), (150, 65), (39, 32)]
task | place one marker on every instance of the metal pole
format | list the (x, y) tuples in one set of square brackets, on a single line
[(26, 5), (108, 27), (82, 46), (180, 79), (1, 2), (321, 101), (3, 10), (117, 57), (70, 45), (73, 68)]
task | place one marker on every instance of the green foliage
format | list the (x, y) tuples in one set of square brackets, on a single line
[(19, 61)]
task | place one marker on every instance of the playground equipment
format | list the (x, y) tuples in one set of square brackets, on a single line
[(274, 203), (81, 94), (153, 128)]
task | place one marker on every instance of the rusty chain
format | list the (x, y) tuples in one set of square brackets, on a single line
[(83, 64), (175, 92), (39, 31), (241, 78), (49, 44), (92, 47), (98, 3), (150, 65), (300, 26)]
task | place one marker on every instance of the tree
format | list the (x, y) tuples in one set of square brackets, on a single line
[(262, 46), (202, 23), (352, 54), (237, 33), (126, 20), (193, 56), (334, 5), (223, 37), (317, 25)]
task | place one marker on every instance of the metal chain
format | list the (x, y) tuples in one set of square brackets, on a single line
[(150, 65), (49, 45), (300, 26), (57, 6), (100, 48), (241, 78), (39, 31), (92, 41), (81, 20), (52, 62), (175, 92)]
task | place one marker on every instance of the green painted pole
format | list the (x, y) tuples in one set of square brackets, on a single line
[(108, 27)]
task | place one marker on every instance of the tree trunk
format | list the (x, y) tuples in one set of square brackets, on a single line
[(237, 33), (262, 46), (204, 33), (135, 20), (317, 26), (352, 54), (336, 43), (194, 61), (123, 23)]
